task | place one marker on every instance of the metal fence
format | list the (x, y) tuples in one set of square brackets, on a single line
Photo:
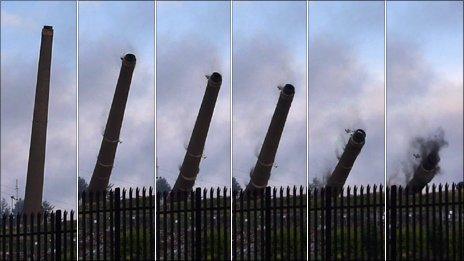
[(346, 226), (425, 226), (270, 226), (119, 225), (48, 236)]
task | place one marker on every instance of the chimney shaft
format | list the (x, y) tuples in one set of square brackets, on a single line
[(36, 164), (352, 149), (194, 153), (424, 173), (262, 170), (104, 165)]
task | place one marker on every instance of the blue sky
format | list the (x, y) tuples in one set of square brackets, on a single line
[(424, 78), (21, 25), (346, 86), (107, 31)]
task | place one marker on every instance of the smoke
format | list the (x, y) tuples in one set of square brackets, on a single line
[(420, 148)]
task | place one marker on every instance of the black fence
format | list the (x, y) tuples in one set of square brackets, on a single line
[(426, 226), (346, 226), (120, 225), (270, 226), (47, 236)]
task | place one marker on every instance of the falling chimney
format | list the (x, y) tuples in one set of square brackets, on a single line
[(190, 166), (424, 173), (262, 170), (104, 165), (346, 161), (36, 164)]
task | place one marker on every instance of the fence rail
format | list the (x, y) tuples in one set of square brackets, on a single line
[(48, 236), (425, 226)]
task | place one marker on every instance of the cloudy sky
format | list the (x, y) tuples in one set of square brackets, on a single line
[(192, 41), (269, 49), (425, 83), (346, 86), (107, 31), (21, 25)]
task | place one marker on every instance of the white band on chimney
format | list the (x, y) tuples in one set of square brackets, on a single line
[(265, 164)]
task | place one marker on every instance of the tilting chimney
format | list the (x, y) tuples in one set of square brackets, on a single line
[(352, 149), (190, 166), (424, 173), (101, 173), (36, 164), (262, 171)]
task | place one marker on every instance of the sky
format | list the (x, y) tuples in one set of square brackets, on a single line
[(21, 25), (193, 40), (425, 84), (108, 31), (269, 50), (346, 87)]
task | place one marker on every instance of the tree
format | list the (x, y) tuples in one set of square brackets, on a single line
[(5, 209), (316, 184), (162, 186), (235, 185), (82, 186), (47, 207), (18, 207)]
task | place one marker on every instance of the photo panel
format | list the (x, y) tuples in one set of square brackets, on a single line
[(193, 130), (38, 129), (425, 130), (346, 130), (116, 129), (269, 130)]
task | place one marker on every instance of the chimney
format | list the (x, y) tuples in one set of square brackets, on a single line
[(262, 170), (36, 164), (190, 166), (104, 165), (424, 173)]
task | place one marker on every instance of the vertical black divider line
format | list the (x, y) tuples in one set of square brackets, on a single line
[(235, 243), (112, 215), (362, 206), (400, 216), (131, 226), (97, 224), (440, 220), (447, 219), (165, 234), (406, 214), (45, 222), (355, 250), (248, 227), (65, 238), (460, 218), (91, 234), (123, 220), (137, 224), (157, 220), (117, 223), (453, 220), (393, 208), (212, 223), (151, 237), (73, 255), (227, 216), (144, 224), (267, 227), (341, 219), (348, 223), (315, 199), (304, 225), (434, 219), (421, 227), (24, 217), (296, 223), (427, 226), (171, 229), (274, 240), (388, 222), (198, 249), (414, 227), (328, 225), (374, 213), (205, 224), (104, 211), (58, 248), (288, 221), (219, 223)]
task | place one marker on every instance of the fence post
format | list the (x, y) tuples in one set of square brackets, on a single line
[(197, 249), (117, 224), (393, 192), (328, 226), (58, 235), (267, 217)]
